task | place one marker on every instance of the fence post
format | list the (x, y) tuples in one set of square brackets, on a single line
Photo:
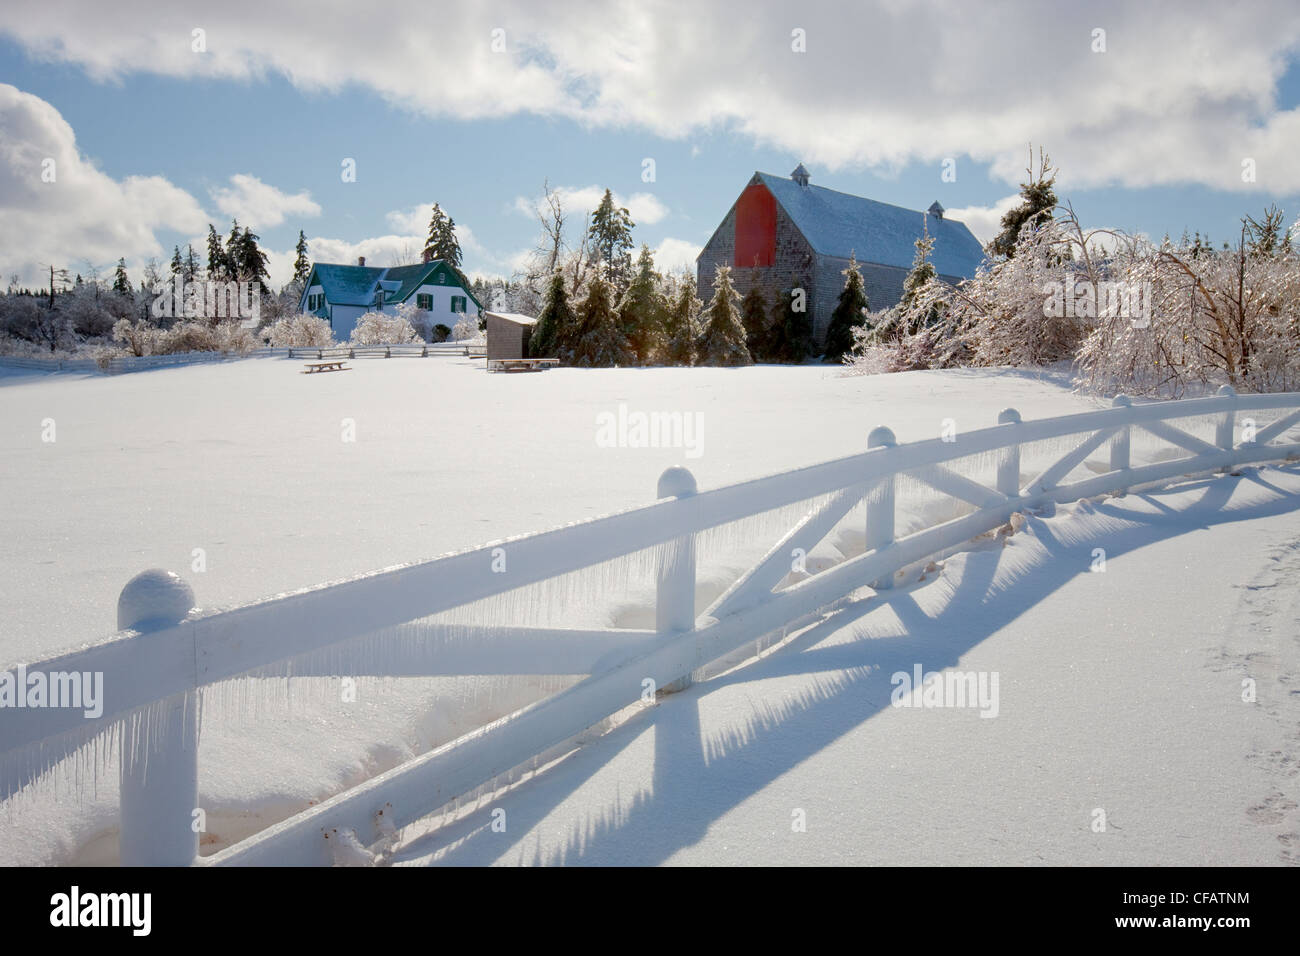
[(675, 580), (1119, 445), (159, 782), (880, 505), (1227, 424), (1009, 466)]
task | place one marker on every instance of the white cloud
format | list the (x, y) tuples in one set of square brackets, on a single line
[(261, 205), (413, 221), (673, 255), (1183, 94), (83, 216), (984, 221)]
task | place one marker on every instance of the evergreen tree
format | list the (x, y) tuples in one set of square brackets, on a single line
[(600, 341), (190, 265), (234, 260), (301, 264), (849, 314), (640, 311), (442, 243), (217, 262), (922, 275), (681, 327), (753, 315), (250, 259), (723, 339), (1038, 200), (178, 265), (610, 234), (792, 333), (121, 284), (556, 326)]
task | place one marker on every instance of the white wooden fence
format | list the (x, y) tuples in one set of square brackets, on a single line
[(118, 364), (155, 665)]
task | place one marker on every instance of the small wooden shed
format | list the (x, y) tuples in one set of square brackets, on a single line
[(507, 335)]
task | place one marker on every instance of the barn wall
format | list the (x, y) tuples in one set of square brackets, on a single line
[(792, 260)]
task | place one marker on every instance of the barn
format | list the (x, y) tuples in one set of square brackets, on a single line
[(784, 233)]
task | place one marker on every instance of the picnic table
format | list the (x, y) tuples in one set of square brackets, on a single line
[(521, 364), (326, 367)]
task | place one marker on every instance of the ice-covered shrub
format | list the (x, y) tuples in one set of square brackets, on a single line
[(301, 330), (378, 328)]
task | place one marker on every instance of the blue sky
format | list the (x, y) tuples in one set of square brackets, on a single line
[(1148, 132)]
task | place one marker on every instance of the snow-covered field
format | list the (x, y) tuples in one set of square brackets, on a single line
[(250, 462)]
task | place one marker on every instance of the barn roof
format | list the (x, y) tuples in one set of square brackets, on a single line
[(837, 224)]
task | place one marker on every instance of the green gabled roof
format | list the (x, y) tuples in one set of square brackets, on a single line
[(346, 285), (356, 285)]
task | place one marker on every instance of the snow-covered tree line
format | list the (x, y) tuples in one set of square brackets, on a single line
[(1129, 314), (72, 315)]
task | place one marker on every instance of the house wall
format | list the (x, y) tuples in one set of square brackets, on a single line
[(441, 311), (343, 319)]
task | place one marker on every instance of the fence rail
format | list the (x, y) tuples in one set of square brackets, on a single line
[(164, 652), (118, 364)]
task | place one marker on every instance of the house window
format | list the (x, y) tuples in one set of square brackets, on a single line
[(442, 279), (424, 300), (458, 303), (315, 301)]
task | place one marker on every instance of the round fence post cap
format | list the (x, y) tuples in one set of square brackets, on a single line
[(1121, 401), (881, 437), (1008, 416), (676, 482), (153, 599), (1227, 390)]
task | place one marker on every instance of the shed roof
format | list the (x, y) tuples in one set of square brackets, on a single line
[(514, 317), (838, 224)]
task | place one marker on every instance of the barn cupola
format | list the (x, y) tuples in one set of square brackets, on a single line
[(935, 210), (800, 175)]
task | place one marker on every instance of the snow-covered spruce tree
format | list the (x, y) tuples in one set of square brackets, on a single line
[(682, 325), (1038, 202), (557, 321), (301, 264), (753, 316), (723, 340), (791, 328), (218, 264), (121, 284), (600, 342), (610, 240), (640, 311), (850, 313)]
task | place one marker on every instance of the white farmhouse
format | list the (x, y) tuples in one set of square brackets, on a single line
[(341, 294)]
